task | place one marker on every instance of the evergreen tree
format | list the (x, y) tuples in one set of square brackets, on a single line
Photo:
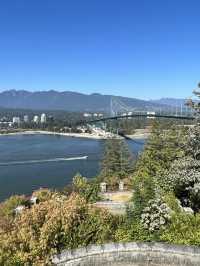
[(89, 190), (183, 177), (163, 147), (117, 161)]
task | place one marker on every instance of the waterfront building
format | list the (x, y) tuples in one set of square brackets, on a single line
[(82, 129), (26, 119), (36, 119), (43, 118), (151, 115), (5, 124), (130, 113), (16, 120), (67, 129), (87, 115), (4, 119)]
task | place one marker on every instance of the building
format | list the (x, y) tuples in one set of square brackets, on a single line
[(16, 120), (5, 124), (151, 115), (130, 113), (36, 119), (43, 118), (87, 115), (4, 119), (82, 129), (26, 119)]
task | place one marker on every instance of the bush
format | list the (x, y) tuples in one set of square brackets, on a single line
[(7, 208), (172, 202), (88, 190), (133, 232), (43, 194), (156, 215), (183, 179), (184, 229), (144, 190), (50, 226)]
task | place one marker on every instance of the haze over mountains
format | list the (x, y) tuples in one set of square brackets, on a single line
[(73, 101), (170, 101)]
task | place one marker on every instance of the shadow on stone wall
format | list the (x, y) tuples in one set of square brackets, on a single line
[(135, 254)]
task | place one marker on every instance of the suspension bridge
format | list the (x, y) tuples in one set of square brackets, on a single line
[(133, 115), (125, 106), (121, 111)]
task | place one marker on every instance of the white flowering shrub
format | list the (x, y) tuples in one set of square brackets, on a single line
[(184, 179), (183, 172), (156, 215), (193, 141)]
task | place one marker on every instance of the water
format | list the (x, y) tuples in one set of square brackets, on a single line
[(28, 162)]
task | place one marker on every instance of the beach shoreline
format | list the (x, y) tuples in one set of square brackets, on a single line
[(73, 135), (43, 132)]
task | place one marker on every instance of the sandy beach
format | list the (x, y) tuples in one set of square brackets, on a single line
[(137, 135), (43, 132), (36, 132)]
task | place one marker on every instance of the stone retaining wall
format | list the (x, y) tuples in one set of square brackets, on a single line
[(127, 254)]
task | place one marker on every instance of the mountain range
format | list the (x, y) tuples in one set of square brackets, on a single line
[(77, 102), (170, 101)]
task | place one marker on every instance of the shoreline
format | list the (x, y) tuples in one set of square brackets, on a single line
[(139, 136), (43, 132), (73, 135)]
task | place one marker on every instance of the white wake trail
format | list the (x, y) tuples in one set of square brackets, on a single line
[(44, 161)]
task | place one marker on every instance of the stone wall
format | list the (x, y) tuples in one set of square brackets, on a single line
[(127, 254)]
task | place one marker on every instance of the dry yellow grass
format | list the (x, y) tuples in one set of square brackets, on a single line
[(121, 197)]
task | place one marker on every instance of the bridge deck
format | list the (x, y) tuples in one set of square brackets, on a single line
[(141, 115)]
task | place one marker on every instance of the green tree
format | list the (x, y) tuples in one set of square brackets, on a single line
[(162, 148), (89, 190), (144, 190), (117, 161)]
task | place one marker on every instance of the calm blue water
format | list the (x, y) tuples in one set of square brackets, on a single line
[(28, 162)]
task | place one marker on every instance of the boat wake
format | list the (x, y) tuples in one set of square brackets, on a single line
[(44, 161)]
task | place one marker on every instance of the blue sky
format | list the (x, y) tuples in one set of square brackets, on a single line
[(137, 48)]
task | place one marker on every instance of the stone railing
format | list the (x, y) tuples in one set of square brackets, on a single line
[(127, 254)]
